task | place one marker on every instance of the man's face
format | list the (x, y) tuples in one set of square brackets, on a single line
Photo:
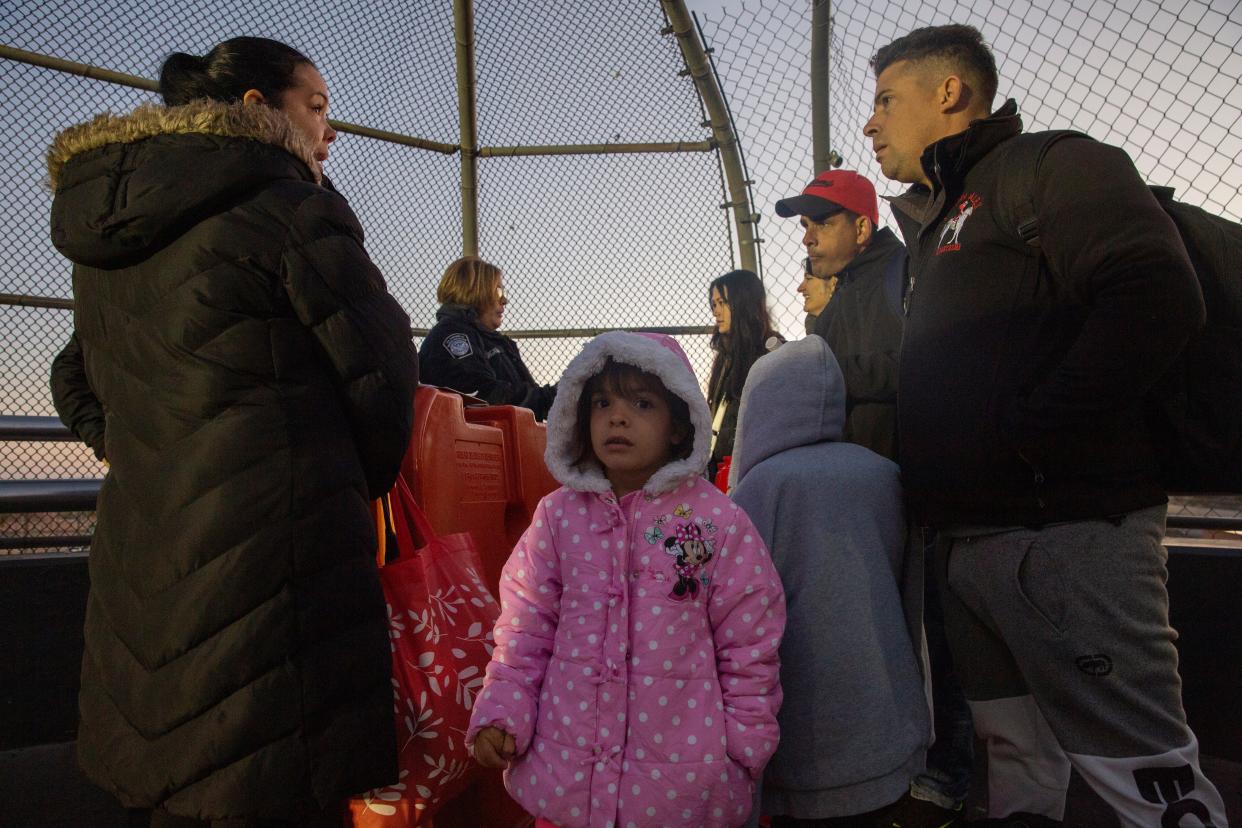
[(906, 121), (815, 293), (832, 244)]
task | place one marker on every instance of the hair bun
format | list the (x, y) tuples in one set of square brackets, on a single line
[(183, 77), (183, 63), (231, 69)]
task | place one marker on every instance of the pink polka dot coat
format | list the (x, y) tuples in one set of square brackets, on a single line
[(636, 652)]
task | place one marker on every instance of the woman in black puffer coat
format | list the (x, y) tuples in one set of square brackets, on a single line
[(255, 382)]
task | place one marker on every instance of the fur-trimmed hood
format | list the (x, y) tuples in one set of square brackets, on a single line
[(654, 353), (124, 185), (207, 117)]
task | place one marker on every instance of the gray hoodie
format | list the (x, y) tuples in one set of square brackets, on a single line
[(854, 725)]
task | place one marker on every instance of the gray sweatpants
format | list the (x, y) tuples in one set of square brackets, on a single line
[(1062, 641)]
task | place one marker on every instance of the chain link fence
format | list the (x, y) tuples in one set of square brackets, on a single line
[(609, 240), (586, 241)]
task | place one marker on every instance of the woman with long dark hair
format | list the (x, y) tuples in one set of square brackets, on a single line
[(241, 365), (743, 333)]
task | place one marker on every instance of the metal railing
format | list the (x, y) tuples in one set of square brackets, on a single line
[(23, 497), (1160, 81), (80, 495)]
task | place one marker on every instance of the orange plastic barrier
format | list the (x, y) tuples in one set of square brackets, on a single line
[(456, 471), (478, 470), (528, 476)]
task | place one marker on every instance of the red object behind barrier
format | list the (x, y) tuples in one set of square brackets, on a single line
[(722, 473)]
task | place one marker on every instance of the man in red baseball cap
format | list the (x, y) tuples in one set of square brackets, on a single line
[(863, 325), (862, 321)]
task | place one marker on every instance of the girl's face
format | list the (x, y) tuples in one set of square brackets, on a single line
[(306, 104), (720, 310), (491, 316), (632, 434)]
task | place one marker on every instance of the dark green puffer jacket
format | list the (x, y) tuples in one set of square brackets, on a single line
[(256, 381)]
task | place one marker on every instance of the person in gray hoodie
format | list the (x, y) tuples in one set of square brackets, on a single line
[(854, 724)]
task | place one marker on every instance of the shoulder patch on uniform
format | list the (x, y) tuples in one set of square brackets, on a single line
[(458, 345)]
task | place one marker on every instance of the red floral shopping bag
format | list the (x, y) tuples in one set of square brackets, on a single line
[(440, 622)]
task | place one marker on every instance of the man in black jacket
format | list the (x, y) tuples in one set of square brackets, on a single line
[(862, 321), (1023, 440)]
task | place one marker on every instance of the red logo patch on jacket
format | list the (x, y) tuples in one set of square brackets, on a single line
[(952, 231)]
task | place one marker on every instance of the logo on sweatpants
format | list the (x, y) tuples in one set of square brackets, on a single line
[(1172, 786), (1095, 665)]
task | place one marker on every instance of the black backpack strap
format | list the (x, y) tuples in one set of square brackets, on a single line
[(1019, 160)]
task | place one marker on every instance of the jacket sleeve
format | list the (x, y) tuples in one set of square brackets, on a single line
[(747, 614), (530, 607), (538, 398), (363, 334), (1107, 237), (871, 375), (75, 401), (870, 367), (442, 362)]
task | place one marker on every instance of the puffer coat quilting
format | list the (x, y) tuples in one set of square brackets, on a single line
[(256, 381)]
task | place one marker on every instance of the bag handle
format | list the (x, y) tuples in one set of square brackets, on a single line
[(380, 510), (414, 511)]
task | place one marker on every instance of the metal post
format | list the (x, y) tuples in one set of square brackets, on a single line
[(83, 69), (821, 48), (463, 29), (693, 54)]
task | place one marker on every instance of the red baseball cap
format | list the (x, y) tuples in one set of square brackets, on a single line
[(831, 192)]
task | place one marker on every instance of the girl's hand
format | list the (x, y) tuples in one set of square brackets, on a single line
[(493, 748)]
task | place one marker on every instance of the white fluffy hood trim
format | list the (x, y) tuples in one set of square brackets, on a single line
[(654, 353)]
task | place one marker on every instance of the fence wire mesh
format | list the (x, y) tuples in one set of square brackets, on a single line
[(597, 240)]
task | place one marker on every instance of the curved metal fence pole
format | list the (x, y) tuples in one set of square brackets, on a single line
[(463, 30), (722, 131), (821, 53)]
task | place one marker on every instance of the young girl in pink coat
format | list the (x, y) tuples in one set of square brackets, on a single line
[(635, 676)]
